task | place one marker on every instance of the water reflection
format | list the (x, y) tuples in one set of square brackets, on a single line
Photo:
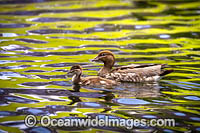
[(139, 90), (75, 99)]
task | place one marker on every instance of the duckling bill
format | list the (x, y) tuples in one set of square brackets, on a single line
[(76, 71)]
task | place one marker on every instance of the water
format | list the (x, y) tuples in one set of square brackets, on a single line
[(41, 40)]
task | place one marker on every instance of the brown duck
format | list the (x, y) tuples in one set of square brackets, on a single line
[(129, 73), (76, 71)]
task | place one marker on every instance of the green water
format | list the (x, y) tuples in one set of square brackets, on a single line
[(40, 40)]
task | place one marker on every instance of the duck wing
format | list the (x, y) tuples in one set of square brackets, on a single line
[(132, 66), (139, 74), (89, 80)]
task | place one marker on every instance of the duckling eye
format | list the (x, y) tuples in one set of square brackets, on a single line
[(75, 67)]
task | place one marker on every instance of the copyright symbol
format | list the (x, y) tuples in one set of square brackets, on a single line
[(30, 120)]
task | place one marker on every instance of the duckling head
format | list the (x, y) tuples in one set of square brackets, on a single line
[(106, 56), (75, 70)]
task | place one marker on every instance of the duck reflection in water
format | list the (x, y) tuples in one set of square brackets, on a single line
[(125, 90), (75, 99), (138, 90)]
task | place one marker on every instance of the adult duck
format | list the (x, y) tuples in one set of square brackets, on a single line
[(129, 73), (76, 71)]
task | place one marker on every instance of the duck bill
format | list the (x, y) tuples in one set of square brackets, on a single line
[(96, 59)]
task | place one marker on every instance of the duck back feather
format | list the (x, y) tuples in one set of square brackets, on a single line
[(140, 74)]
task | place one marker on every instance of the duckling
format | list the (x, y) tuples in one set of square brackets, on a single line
[(76, 71), (129, 73)]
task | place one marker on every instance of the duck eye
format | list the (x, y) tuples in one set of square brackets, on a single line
[(102, 54)]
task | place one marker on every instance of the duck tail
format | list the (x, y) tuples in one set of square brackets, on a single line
[(165, 72)]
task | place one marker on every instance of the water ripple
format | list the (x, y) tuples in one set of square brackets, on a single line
[(14, 25), (42, 39)]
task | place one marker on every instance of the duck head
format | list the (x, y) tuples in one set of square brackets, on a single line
[(107, 57)]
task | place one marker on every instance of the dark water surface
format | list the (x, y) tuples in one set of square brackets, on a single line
[(41, 39)]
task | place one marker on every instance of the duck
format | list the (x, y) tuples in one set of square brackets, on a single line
[(129, 73), (77, 79)]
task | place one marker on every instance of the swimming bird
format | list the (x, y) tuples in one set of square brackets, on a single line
[(129, 73), (76, 71)]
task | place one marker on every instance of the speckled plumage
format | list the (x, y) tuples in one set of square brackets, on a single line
[(129, 73)]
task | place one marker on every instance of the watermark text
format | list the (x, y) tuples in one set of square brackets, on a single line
[(106, 121)]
